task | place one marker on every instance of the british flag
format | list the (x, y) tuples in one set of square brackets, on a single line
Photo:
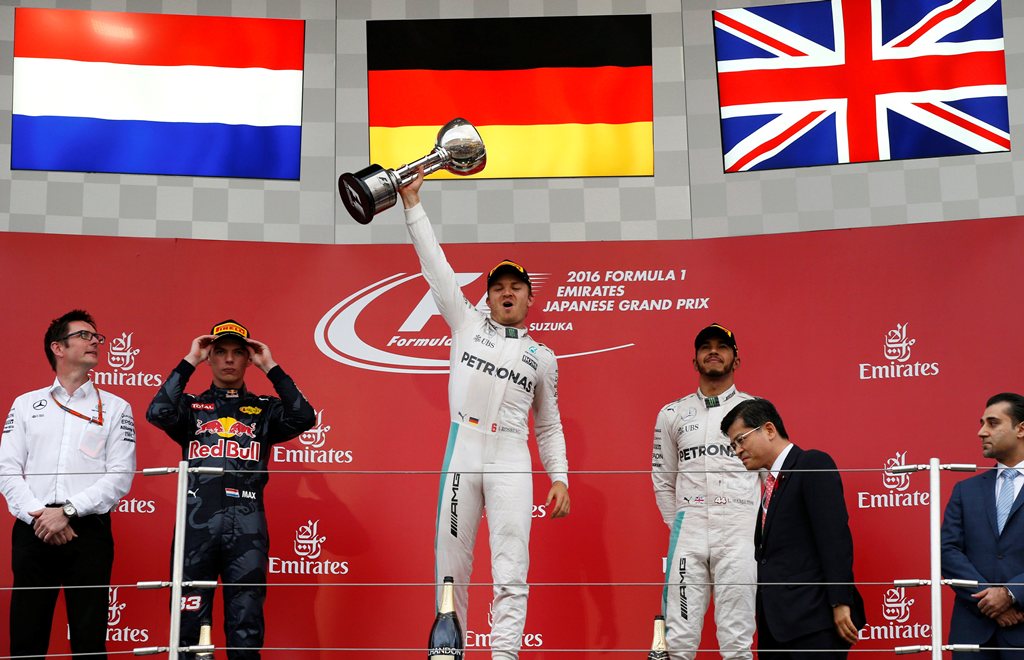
[(846, 81)]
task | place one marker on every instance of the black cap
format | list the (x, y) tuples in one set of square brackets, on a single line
[(717, 331), (230, 328), (508, 267)]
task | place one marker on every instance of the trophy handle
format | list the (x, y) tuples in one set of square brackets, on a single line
[(431, 163)]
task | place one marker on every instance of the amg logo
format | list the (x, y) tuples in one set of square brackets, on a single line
[(682, 589), (455, 505)]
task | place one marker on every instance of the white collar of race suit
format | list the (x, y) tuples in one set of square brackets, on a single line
[(715, 401), (506, 331)]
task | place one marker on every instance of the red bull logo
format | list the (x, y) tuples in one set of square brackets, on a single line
[(238, 428), (212, 426), (224, 449), (225, 427)]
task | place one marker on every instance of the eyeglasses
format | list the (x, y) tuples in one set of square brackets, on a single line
[(84, 334), (738, 440)]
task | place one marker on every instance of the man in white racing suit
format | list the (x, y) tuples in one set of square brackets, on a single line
[(710, 502), (498, 373)]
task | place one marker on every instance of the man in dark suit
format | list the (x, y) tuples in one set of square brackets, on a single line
[(983, 538), (802, 541)]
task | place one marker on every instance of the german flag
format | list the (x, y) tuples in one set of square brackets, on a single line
[(552, 96)]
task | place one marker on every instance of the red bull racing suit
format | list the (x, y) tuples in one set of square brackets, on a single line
[(497, 376), (710, 503), (226, 532)]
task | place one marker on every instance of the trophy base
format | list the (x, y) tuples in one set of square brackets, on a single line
[(367, 192)]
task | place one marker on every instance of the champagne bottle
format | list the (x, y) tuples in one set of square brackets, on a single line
[(205, 640), (659, 650), (446, 633)]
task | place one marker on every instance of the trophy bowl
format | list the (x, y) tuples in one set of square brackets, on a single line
[(458, 149)]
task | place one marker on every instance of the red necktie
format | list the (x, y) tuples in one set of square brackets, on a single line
[(766, 497)]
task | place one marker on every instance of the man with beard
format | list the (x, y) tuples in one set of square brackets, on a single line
[(709, 501), (983, 538)]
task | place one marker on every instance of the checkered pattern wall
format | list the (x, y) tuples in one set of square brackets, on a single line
[(689, 197)]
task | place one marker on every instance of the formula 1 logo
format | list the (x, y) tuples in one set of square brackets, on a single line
[(337, 337)]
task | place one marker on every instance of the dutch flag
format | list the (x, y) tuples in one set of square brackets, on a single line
[(157, 94)]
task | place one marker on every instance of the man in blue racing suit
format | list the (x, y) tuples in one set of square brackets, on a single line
[(498, 374), (227, 426)]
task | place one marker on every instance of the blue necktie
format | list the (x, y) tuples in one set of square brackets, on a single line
[(1005, 500)]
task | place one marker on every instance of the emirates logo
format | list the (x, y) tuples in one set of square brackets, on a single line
[(316, 437), (895, 481), (897, 345), (121, 355), (308, 543), (896, 605), (114, 608)]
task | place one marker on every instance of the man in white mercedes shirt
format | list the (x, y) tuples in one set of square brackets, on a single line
[(709, 501), (66, 458), (498, 374)]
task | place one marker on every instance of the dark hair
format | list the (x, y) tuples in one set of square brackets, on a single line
[(1016, 402), (59, 327), (754, 413)]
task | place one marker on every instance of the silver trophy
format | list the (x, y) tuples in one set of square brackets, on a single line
[(459, 149)]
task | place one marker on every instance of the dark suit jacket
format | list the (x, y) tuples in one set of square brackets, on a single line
[(973, 549), (806, 538)]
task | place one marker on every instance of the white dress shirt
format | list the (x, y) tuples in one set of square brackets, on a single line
[(50, 456), (780, 460)]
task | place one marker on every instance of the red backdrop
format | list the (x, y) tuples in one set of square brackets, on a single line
[(352, 505)]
